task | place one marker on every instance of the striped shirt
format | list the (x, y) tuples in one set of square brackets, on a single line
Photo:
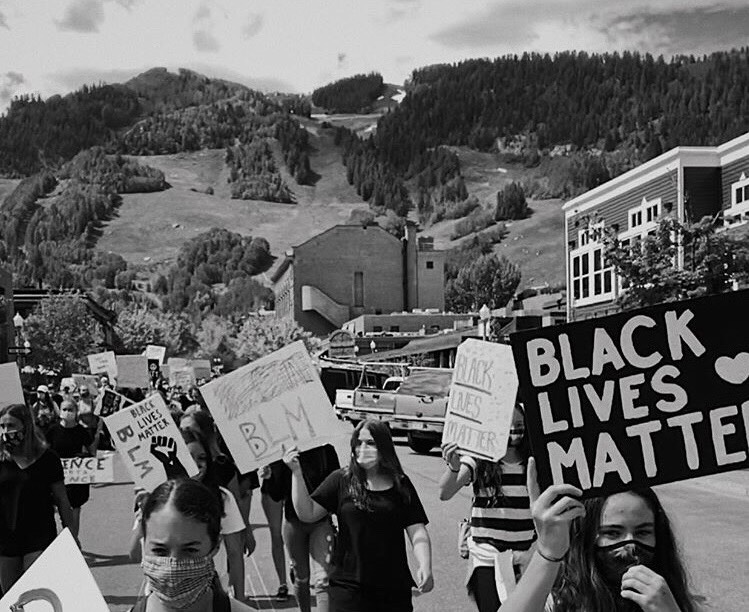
[(506, 523)]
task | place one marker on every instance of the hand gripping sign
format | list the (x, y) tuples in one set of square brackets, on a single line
[(639, 398), (149, 443), (274, 402), (482, 399)]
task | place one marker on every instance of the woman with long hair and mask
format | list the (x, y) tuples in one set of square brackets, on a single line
[(501, 526), (31, 485), (608, 554), (374, 502), (181, 525)]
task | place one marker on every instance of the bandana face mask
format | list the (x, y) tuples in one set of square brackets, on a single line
[(616, 559), (11, 439), (179, 583)]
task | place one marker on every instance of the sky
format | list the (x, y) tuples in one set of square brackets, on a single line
[(55, 46)]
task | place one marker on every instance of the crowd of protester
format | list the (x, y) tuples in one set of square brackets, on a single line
[(344, 529)]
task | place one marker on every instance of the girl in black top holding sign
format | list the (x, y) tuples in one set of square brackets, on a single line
[(374, 502), (614, 554)]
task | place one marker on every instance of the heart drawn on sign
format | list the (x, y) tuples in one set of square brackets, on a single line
[(734, 370)]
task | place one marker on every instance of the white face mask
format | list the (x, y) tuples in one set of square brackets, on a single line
[(367, 457)]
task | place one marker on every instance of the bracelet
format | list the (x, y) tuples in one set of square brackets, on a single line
[(551, 559)]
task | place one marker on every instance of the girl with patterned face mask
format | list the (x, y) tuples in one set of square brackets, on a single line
[(181, 523)]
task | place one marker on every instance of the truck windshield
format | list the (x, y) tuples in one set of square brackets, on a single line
[(427, 382)]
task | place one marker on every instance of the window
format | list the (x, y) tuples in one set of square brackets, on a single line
[(643, 221), (430, 265), (358, 289), (635, 219), (739, 209), (592, 280), (377, 328), (395, 328)]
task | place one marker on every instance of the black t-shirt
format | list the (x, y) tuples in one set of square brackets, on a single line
[(27, 504), (69, 441), (371, 548), (317, 464)]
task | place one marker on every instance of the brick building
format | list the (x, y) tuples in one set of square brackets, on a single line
[(687, 182), (351, 270)]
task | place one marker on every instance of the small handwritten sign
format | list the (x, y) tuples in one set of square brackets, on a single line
[(149, 443), (87, 381), (110, 402), (482, 399), (89, 470), (273, 402), (154, 351), (103, 363)]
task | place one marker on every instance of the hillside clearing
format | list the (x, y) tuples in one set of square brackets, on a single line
[(155, 225), (536, 244)]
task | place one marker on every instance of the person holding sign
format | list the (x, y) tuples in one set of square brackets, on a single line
[(501, 527), (614, 553), (374, 502), (31, 484), (68, 438), (181, 525)]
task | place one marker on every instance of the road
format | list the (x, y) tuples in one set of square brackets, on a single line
[(710, 516)]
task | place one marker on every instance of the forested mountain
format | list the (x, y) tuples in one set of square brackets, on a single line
[(631, 103), (350, 95)]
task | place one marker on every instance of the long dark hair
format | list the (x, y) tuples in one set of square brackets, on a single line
[(389, 464), (581, 585), (209, 478), (33, 443), (190, 498), (489, 473)]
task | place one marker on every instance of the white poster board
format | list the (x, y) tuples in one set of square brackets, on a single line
[(149, 442), (482, 399), (132, 371), (183, 377), (89, 470), (11, 391), (87, 381), (59, 580), (103, 363), (153, 351), (275, 402)]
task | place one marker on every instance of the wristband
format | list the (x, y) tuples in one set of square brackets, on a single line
[(551, 559)]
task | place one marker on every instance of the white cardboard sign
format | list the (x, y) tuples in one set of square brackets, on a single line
[(154, 351), (59, 580), (11, 391), (150, 443), (132, 371), (103, 363), (482, 399), (275, 402), (89, 470)]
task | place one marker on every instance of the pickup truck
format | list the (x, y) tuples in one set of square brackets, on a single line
[(414, 405)]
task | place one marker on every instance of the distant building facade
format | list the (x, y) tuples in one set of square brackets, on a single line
[(352, 270), (419, 322), (685, 182)]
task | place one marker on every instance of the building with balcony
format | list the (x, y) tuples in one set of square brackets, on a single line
[(686, 182), (352, 270)]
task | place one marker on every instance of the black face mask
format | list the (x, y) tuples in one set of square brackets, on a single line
[(613, 561)]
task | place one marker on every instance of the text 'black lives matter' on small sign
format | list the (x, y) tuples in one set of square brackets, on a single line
[(639, 398)]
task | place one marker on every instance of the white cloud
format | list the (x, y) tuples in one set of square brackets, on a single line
[(82, 16)]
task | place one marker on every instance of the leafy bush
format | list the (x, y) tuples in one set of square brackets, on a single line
[(479, 219)]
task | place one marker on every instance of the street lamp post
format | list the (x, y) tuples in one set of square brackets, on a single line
[(485, 315)]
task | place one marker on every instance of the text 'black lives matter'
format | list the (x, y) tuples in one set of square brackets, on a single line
[(639, 398)]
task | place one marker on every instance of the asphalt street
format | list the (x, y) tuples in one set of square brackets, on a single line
[(710, 516)]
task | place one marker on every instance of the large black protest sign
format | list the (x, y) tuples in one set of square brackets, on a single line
[(639, 398)]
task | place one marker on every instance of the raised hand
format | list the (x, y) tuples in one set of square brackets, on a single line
[(291, 459), (553, 511), (648, 590), (450, 455), (164, 449)]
